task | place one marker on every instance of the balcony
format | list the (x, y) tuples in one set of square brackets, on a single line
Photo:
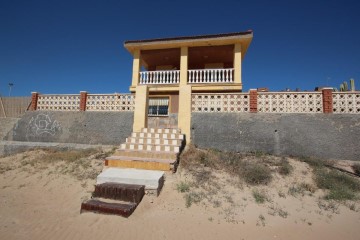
[(195, 76)]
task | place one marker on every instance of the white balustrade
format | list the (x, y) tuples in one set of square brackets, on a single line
[(290, 102), (110, 102), (224, 75), (160, 77), (58, 102), (232, 102), (346, 102)]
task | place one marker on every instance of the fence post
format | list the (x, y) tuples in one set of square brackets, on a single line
[(327, 100), (34, 100), (253, 100), (83, 98)]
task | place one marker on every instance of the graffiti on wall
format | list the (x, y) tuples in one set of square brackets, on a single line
[(43, 124)]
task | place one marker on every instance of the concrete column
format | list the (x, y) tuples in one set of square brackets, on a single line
[(253, 100), (184, 115), (136, 68), (237, 63), (327, 100), (184, 65), (83, 98), (34, 99), (141, 108)]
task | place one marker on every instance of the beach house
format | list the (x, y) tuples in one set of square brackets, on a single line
[(166, 71)]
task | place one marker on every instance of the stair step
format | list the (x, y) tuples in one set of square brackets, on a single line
[(149, 178), (160, 130), (150, 147), (157, 135), (120, 191), (140, 165), (174, 142), (122, 209), (146, 154), (122, 158)]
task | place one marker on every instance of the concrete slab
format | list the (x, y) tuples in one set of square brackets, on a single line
[(151, 179)]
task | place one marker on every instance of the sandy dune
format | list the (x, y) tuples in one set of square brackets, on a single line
[(43, 202)]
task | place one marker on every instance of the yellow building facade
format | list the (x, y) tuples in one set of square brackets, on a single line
[(167, 71)]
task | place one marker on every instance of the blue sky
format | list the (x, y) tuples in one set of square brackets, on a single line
[(69, 46)]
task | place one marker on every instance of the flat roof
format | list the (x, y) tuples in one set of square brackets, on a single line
[(248, 32)]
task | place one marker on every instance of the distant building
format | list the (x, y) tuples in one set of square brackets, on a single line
[(319, 89), (262, 89)]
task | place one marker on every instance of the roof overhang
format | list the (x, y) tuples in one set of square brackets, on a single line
[(244, 38)]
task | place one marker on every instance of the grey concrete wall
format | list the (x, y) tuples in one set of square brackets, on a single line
[(73, 127), (327, 136), (6, 125)]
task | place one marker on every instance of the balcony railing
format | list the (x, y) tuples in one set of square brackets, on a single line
[(211, 75), (160, 77), (194, 76)]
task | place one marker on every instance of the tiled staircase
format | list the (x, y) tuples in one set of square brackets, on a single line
[(127, 175), (151, 149)]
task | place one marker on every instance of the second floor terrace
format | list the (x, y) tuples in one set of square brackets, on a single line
[(207, 62)]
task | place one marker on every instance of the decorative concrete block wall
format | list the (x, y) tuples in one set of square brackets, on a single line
[(83, 102), (325, 101)]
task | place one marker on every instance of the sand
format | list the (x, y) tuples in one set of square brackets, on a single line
[(42, 201)]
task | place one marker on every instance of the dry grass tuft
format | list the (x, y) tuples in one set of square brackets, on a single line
[(205, 169), (285, 167), (316, 162), (81, 164), (339, 185), (249, 168), (356, 168), (259, 196)]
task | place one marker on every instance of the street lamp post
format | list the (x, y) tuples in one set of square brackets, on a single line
[(10, 87)]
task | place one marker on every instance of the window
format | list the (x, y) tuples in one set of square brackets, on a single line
[(158, 107)]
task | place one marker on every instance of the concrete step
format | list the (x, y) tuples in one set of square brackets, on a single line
[(141, 163), (174, 142), (150, 147), (122, 209), (158, 135), (120, 191), (146, 154), (170, 161), (152, 180), (161, 130)]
